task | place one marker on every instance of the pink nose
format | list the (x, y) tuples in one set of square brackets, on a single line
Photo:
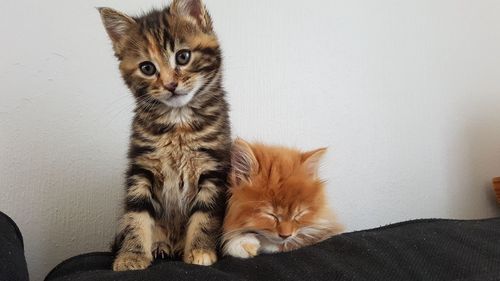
[(171, 86)]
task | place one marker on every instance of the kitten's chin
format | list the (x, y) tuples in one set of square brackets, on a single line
[(178, 100)]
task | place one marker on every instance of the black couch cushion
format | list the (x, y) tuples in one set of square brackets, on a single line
[(416, 250), (12, 262)]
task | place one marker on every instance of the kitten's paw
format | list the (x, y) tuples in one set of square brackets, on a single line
[(251, 249), (200, 257), (131, 261), (246, 246), (161, 250)]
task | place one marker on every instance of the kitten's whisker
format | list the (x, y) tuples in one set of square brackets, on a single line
[(127, 106), (113, 118)]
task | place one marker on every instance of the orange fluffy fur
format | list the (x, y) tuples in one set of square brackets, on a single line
[(277, 202)]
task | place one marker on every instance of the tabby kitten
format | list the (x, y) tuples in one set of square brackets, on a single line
[(277, 202), (180, 142)]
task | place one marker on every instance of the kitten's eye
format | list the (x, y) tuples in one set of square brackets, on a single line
[(148, 68), (183, 57), (274, 217), (299, 215)]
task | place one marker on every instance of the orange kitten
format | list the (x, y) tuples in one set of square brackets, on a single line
[(277, 202)]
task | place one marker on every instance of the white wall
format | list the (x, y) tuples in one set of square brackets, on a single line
[(405, 93)]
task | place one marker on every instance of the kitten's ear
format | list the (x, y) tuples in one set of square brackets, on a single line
[(243, 161), (117, 24), (311, 161), (192, 10)]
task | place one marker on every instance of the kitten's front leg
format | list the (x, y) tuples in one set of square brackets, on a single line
[(205, 222), (242, 246), (135, 241), (201, 239)]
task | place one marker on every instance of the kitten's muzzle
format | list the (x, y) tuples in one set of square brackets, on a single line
[(171, 86), (170, 95)]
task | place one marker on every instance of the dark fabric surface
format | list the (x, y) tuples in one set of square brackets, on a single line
[(12, 262), (416, 250)]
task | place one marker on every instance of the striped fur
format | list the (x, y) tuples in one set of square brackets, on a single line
[(180, 142)]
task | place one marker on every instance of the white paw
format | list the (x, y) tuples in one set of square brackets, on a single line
[(244, 246)]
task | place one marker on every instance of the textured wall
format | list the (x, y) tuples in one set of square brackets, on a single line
[(405, 93)]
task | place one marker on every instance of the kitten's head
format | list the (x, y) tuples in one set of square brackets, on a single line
[(170, 56), (276, 192)]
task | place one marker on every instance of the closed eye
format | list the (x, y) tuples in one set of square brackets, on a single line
[(300, 214), (272, 216)]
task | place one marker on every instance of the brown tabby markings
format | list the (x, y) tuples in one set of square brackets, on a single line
[(179, 148), (277, 202)]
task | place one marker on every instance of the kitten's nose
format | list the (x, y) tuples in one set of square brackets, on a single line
[(171, 86), (284, 236)]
